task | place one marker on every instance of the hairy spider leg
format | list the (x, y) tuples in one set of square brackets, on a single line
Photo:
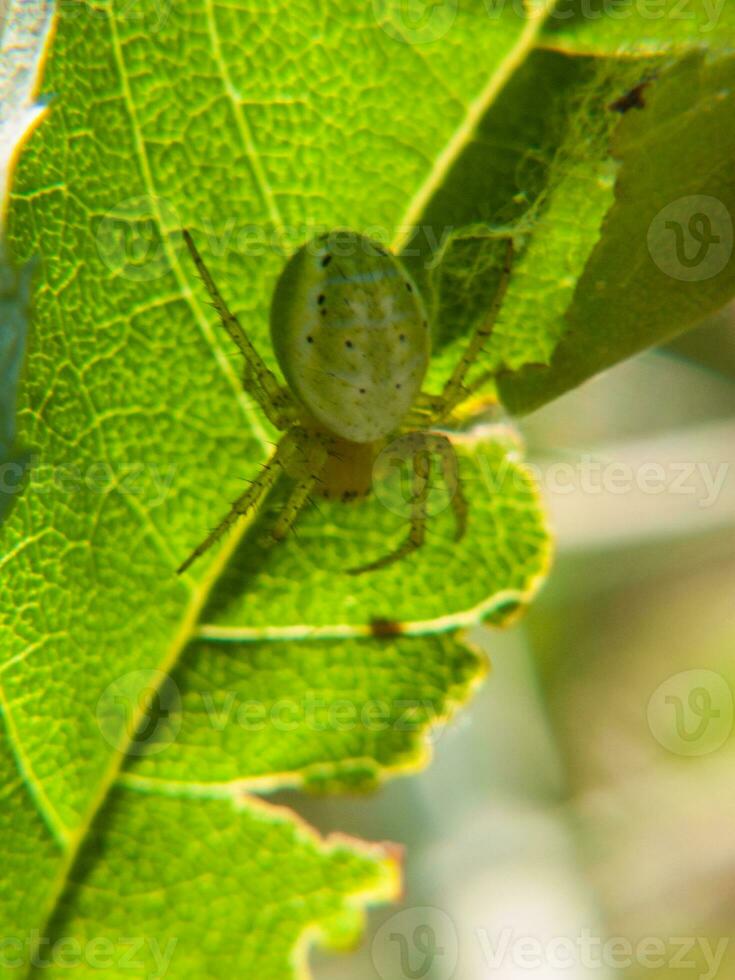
[(424, 444), (274, 399), (450, 472), (417, 533), (454, 390), (307, 470), (291, 444)]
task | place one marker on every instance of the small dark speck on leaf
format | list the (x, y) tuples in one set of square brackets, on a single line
[(326, 260), (385, 627), (635, 99)]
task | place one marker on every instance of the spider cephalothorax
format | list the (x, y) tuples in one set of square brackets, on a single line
[(351, 335)]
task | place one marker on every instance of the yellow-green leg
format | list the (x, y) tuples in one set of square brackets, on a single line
[(417, 533), (450, 472), (306, 469), (275, 399), (454, 390), (424, 444), (290, 444)]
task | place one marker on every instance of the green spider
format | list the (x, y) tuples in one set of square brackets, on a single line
[(351, 335)]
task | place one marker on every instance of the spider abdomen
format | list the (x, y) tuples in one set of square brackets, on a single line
[(351, 335)]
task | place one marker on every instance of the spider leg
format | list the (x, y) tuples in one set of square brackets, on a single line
[(450, 471), (254, 493), (307, 473), (274, 399), (417, 533), (454, 390)]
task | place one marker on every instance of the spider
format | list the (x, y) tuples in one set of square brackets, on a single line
[(351, 335)]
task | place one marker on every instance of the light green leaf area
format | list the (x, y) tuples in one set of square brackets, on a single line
[(640, 26), (326, 714), (664, 260), (309, 675), (197, 888), (31, 860), (255, 129)]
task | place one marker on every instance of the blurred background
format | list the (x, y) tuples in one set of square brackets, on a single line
[(578, 819)]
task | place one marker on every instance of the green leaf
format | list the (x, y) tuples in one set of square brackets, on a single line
[(307, 675), (641, 26), (597, 273), (541, 169), (27, 844), (193, 888), (254, 129), (665, 258)]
